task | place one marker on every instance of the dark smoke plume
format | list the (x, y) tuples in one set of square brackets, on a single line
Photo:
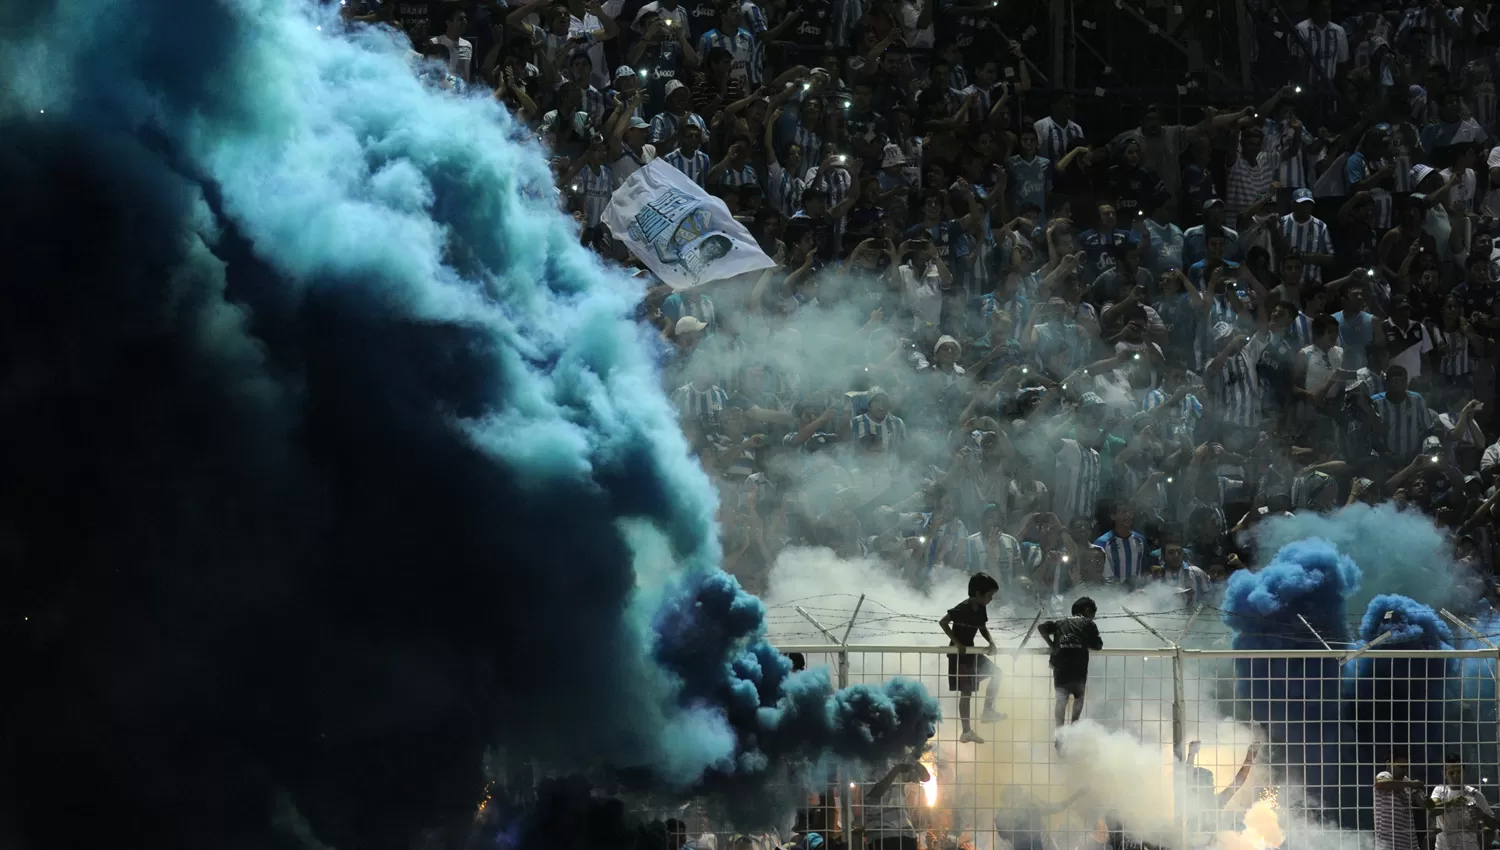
[(333, 461)]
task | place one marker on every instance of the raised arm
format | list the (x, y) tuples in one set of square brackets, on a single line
[(852, 198), (1240, 776), (516, 20), (769, 141), (775, 33), (689, 55), (608, 28), (614, 127), (650, 38)]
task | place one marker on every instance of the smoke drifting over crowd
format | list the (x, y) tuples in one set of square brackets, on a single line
[(332, 459), (1397, 552)]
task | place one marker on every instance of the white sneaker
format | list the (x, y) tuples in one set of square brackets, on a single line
[(992, 716), (970, 738)]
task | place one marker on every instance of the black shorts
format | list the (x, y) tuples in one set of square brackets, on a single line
[(967, 670), (1070, 686)]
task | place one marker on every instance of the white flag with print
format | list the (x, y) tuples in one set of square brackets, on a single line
[(683, 234)]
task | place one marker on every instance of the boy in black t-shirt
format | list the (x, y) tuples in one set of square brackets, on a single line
[(1071, 639), (965, 666)]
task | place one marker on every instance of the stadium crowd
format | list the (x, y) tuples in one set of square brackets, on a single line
[(1006, 336)]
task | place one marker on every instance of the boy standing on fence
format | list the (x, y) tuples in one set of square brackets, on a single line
[(967, 667), (1071, 639)]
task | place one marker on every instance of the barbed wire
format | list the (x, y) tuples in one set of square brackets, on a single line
[(888, 621)]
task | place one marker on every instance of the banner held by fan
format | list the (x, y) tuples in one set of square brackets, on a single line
[(684, 235)]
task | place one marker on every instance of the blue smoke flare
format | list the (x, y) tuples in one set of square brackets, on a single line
[(1334, 725), (1296, 700), (1398, 551), (333, 459), (1308, 578)]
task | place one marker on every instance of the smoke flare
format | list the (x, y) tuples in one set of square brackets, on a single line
[(333, 459), (1332, 724)]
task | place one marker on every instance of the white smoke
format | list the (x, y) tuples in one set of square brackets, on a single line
[(1125, 777), (895, 610), (1124, 752)]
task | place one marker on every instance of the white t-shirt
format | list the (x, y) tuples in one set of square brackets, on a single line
[(1321, 366), (1463, 190), (1441, 229), (910, 11), (925, 300), (1491, 203), (1460, 824), (887, 818), (460, 55), (1491, 457)]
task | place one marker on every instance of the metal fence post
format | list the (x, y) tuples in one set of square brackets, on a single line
[(846, 799), (1179, 746)]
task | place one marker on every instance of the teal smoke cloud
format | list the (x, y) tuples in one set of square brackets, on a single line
[(330, 454)]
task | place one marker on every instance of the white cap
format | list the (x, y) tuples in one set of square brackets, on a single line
[(892, 156), (690, 324), (1419, 172), (674, 85)]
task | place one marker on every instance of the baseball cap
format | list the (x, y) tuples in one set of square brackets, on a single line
[(1211, 203), (690, 324), (892, 156), (674, 85), (1303, 196), (624, 71), (637, 123)]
